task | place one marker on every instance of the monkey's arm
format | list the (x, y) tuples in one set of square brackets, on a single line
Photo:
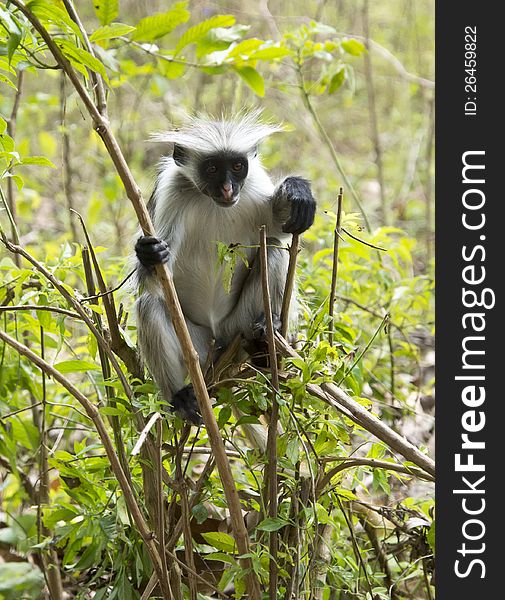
[(293, 206)]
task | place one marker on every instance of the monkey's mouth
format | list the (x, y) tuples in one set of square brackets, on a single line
[(226, 203)]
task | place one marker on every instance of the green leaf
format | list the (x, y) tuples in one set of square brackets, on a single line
[(41, 161), (7, 81), (81, 58), (50, 13), (253, 79), (352, 46), (156, 26), (76, 366), (12, 44), (430, 538), (336, 81), (23, 578), (271, 524), (270, 53), (245, 48), (197, 32), (220, 541), (171, 70), (108, 32), (106, 10)]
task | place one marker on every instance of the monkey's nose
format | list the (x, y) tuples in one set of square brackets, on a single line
[(227, 190)]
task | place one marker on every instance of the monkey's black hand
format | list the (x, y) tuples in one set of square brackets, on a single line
[(297, 192), (259, 327), (151, 251), (184, 403)]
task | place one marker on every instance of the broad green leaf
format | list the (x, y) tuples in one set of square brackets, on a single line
[(24, 577), (352, 46), (156, 26), (12, 44), (109, 32), (336, 81), (270, 53), (245, 48), (51, 13), (221, 541), (196, 33), (271, 524), (76, 366), (253, 79), (82, 59), (106, 10), (171, 70), (41, 161), (7, 81)]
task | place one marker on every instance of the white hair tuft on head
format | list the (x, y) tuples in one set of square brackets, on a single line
[(204, 135)]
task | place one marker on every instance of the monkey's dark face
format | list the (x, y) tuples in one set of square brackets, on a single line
[(222, 177)]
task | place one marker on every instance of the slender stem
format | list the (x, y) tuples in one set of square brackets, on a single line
[(274, 416), (334, 271), (290, 284), (350, 462), (355, 546), (96, 78), (326, 138), (365, 350), (105, 365), (50, 561), (161, 527), (66, 152), (11, 130), (373, 114), (365, 243), (54, 309)]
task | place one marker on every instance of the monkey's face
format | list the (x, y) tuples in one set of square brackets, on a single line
[(222, 176)]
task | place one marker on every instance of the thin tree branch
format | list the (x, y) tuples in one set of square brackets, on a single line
[(290, 283), (274, 417), (53, 309), (334, 270)]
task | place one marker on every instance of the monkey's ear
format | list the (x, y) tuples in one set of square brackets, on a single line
[(179, 155)]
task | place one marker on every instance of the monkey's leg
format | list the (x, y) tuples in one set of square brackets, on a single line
[(162, 352)]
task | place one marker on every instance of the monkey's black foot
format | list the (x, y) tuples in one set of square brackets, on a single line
[(151, 251), (303, 206), (259, 327), (184, 403)]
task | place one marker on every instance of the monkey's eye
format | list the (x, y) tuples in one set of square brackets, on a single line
[(237, 167), (211, 169)]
